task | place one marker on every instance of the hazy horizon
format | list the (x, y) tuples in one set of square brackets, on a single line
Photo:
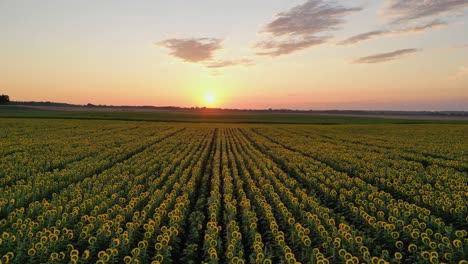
[(373, 106), (307, 54)]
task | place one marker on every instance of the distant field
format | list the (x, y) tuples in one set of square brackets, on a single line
[(215, 117), (98, 191)]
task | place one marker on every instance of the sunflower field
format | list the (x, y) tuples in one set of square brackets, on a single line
[(82, 191)]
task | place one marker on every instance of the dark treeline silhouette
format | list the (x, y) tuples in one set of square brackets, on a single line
[(4, 99)]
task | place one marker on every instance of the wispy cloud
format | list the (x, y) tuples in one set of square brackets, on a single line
[(277, 48), (385, 33), (297, 28), (408, 10), (383, 57), (364, 36), (422, 28), (464, 46), (229, 63), (193, 49), (461, 73)]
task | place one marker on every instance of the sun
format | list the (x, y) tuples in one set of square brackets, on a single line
[(210, 98)]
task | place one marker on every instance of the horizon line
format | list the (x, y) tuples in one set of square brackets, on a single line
[(91, 105)]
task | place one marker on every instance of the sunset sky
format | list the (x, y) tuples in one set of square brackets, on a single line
[(392, 54)]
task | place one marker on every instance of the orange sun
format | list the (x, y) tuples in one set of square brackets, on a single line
[(210, 98)]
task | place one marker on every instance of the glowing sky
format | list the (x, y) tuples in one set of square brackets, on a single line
[(307, 54)]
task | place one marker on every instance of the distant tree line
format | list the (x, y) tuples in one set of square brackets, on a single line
[(4, 99)]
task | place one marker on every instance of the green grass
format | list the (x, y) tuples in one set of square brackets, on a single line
[(207, 117)]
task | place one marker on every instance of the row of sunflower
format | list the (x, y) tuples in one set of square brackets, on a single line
[(441, 189), (212, 243), (308, 212), (234, 248), (161, 231), (255, 245), (43, 185), (352, 196), (34, 152), (103, 210), (432, 144), (275, 236)]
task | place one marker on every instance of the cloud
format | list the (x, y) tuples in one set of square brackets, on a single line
[(297, 28), (277, 48), (364, 36), (422, 28), (229, 63), (312, 17), (200, 50), (461, 73), (384, 33), (193, 49), (408, 10), (383, 57), (464, 46)]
